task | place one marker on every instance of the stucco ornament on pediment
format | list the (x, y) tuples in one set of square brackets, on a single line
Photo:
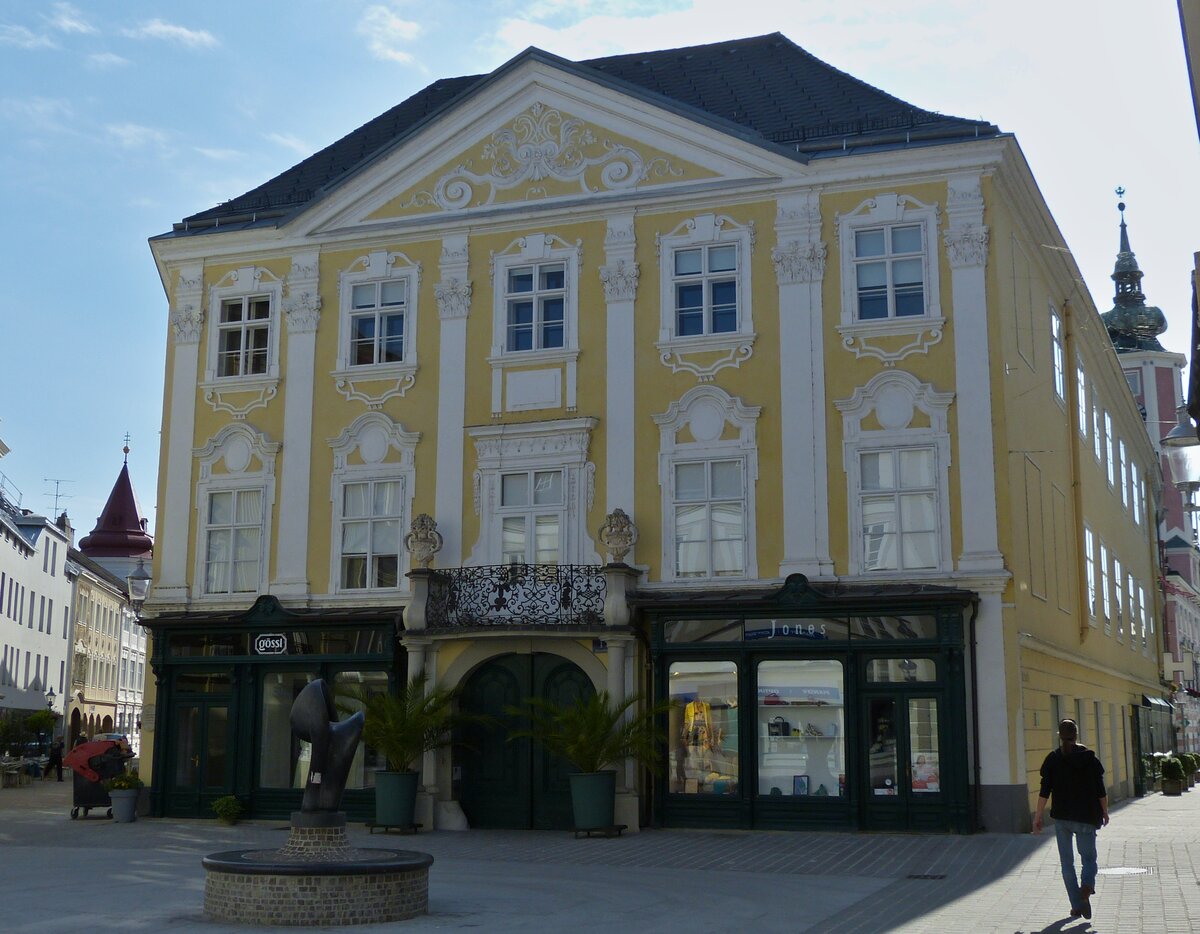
[(542, 153)]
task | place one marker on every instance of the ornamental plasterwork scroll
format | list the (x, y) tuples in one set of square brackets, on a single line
[(541, 144), (966, 247), (620, 281), (424, 541), (618, 535), (526, 245), (860, 344), (302, 304), (380, 390), (966, 236), (240, 402), (187, 317), (705, 372)]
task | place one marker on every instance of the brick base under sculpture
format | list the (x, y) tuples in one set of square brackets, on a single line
[(316, 879)]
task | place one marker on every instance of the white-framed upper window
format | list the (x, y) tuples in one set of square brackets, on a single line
[(1134, 379), (377, 326), (708, 468), (1089, 558), (1105, 589), (534, 487), (1123, 474), (536, 311), (1097, 432), (234, 499), (1118, 598), (371, 491), (1110, 444), (705, 284), (1057, 355), (897, 476), (889, 265), (1081, 399), (243, 332), (532, 513)]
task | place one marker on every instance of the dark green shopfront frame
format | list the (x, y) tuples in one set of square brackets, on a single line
[(224, 648), (949, 810)]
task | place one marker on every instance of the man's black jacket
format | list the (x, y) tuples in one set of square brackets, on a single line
[(1074, 782)]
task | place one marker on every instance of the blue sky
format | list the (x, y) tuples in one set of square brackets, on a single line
[(119, 118)]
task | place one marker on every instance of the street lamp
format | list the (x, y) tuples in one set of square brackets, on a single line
[(50, 699), (1183, 458), (139, 584)]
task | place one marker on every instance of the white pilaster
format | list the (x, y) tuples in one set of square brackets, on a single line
[(174, 529), (302, 311), (454, 305), (991, 700), (799, 269), (966, 241), (620, 278)]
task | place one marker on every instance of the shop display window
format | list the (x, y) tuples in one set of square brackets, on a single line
[(923, 745), (901, 670), (349, 687), (283, 759), (801, 728), (703, 751)]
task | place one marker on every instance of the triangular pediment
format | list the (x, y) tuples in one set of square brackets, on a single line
[(538, 134)]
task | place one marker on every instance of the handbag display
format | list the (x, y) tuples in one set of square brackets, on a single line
[(777, 726)]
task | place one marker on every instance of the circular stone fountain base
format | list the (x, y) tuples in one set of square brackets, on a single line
[(316, 879)]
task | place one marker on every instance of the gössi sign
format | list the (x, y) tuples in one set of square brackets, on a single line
[(270, 643)]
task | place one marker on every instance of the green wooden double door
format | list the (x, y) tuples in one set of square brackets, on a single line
[(511, 782)]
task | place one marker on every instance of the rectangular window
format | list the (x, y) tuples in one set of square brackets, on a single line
[(889, 272), (531, 516), (1097, 433), (1135, 490), (377, 322), (705, 288), (371, 535), (42, 615), (703, 753), (710, 519), (1118, 598), (1081, 400), (1122, 475), (800, 718), (899, 509), (1109, 446), (1132, 595), (244, 334), (1089, 558), (1145, 613), (1105, 590), (1056, 355), (535, 297), (234, 535)]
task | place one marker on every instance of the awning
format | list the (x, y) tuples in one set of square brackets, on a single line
[(1156, 703)]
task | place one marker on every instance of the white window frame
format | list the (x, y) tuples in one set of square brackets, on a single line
[(560, 444), (535, 250), (237, 458), (1097, 431), (1105, 588), (1123, 473), (1119, 597), (375, 383), (889, 210), (1081, 401), (691, 430), (244, 283), (1110, 444), (531, 512), (1089, 558), (1058, 357), (372, 448), (894, 398), (706, 230)]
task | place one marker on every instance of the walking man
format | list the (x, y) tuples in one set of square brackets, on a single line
[(1074, 778)]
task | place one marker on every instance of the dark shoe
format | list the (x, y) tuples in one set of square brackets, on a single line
[(1075, 913), (1085, 904)]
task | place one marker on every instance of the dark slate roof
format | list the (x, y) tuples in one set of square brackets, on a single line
[(74, 554), (765, 89), (120, 531)]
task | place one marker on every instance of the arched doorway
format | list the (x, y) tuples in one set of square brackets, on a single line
[(515, 784), (76, 726)]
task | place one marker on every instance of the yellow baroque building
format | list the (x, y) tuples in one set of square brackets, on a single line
[(712, 375)]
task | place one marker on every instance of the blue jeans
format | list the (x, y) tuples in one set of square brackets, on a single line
[(1085, 840)]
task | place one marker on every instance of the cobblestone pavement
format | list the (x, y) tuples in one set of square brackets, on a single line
[(59, 875)]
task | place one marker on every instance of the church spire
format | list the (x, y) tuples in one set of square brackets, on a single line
[(120, 531), (1132, 324)]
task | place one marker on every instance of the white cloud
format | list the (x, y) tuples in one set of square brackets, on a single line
[(158, 29), (134, 135), (386, 32), (68, 19), (37, 113), (220, 155), (99, 61), (289, 142), (24, 38)]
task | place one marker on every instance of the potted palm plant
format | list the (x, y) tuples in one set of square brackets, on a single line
[(123, 790), (593, 734), (403, 727)]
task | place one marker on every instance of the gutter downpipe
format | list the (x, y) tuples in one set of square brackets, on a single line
[(975, 716)]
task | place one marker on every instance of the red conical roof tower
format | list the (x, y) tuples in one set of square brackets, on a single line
[(120, 531)]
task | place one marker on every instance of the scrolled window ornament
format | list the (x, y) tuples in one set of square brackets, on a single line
[(424, 541), (618, 535)]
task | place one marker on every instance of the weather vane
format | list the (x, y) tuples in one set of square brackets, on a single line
[(126, 448), (1121, 204)]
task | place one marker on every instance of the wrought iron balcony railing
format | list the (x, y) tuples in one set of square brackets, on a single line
[(516, 595)]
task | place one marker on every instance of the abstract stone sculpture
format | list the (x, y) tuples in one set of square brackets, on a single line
[(314, 720)]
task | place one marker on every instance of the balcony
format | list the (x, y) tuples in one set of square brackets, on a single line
[(523, 596)]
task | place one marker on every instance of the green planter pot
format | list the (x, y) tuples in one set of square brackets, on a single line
[(593, 799), (124, 805), (395, 798), (1171, 787)]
